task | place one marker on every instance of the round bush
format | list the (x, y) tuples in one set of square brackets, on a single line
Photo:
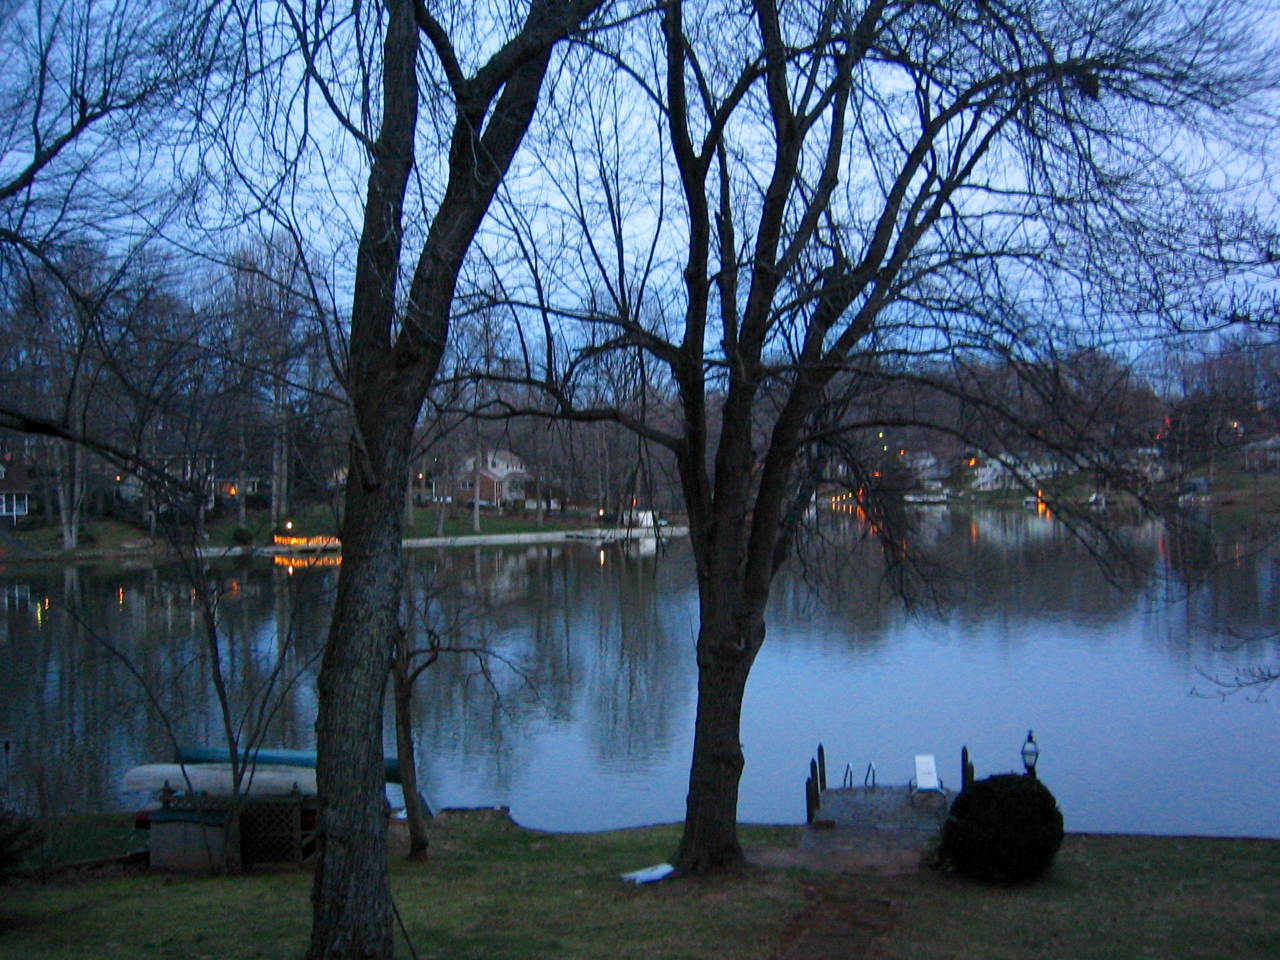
[(241, 537), (1006, 828)]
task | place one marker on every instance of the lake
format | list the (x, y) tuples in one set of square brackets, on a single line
[(572, 697)]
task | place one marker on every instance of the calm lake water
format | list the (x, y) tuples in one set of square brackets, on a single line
[(576, 707)]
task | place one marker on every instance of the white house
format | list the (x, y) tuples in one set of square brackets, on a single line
[(501, 478), (1002, 475)]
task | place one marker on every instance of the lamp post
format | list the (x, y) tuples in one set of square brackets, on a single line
[(1030, 754)]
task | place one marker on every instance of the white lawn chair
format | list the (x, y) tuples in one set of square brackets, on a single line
[(926, 778)]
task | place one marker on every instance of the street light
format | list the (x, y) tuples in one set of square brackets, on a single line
[(1030, 754)]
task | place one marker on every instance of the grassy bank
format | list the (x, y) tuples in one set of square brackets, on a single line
[(97, 535), (496, 891)]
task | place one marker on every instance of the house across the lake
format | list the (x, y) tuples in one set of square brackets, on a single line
[(15, 492), (1263, 455), (500, 478)]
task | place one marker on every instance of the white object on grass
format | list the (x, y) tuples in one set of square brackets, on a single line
[(649, 874)]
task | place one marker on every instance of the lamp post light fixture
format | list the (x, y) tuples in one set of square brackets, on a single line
[(1030, 754)]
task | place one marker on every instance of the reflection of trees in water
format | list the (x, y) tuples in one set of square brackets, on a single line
[(1222, 590), (78, 714), (966, 566), (639, 676), (560, 632), (1031, 567), (607, 646), (1207, 593), (473, 702)]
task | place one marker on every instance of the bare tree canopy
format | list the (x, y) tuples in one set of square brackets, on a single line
[(87, 98), (794, 225)]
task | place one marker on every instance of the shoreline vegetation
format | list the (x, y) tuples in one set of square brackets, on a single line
[(1233, 491), (492, 889), (112, 540)]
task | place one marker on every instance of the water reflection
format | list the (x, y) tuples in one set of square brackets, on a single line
[(570, 691), (561, 641), (109, 667)]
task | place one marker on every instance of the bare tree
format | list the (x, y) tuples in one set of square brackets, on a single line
[(880, 204), (375, 68)]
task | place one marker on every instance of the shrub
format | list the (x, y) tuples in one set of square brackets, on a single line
[(1006, 828), (18, 834), (241, 537)]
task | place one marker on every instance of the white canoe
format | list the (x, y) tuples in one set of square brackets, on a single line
[(214, 780)]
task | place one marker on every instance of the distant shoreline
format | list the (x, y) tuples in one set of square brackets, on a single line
[(152, 551)]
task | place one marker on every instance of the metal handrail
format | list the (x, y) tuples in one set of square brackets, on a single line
[(847, 782), (869, 778)]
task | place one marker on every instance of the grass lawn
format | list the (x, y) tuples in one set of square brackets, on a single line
[(496, 891), (492, 891), (97, 534), (1107, 898)]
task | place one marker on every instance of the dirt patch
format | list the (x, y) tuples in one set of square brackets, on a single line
[(841, 922)]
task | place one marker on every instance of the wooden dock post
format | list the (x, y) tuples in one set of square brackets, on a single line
[(966, 770), (810, 799), (822, 768)]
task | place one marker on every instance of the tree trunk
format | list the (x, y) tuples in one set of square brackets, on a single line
[(475, 492), (414, 814), (408, 505), (710, 839), (279, 461), (389, 376), (351, 895), (242, 481), (48, 495), (70, 484)]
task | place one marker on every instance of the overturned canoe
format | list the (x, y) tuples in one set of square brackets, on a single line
[(273, 758), (215, 780)]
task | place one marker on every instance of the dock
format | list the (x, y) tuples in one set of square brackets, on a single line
[(866, 830)]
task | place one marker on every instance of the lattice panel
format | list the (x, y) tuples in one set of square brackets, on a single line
[(276, 830), (271, 832)]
